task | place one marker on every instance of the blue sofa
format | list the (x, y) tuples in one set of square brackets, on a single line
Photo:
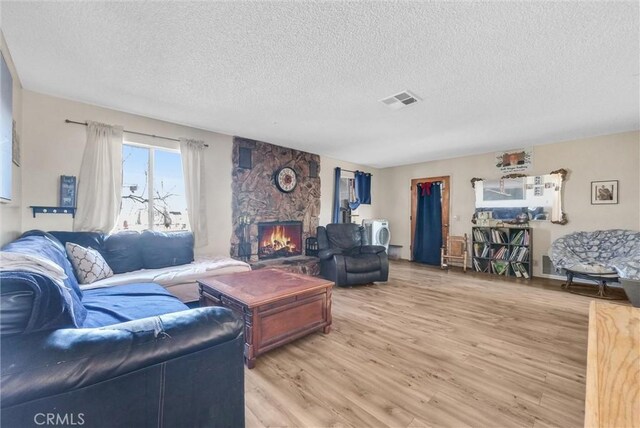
[(126, 356)]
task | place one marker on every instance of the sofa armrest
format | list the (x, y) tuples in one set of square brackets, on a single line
[(372, 249), (329, 253), (67, 359)]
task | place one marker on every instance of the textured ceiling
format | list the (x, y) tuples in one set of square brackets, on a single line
[(310, 75)]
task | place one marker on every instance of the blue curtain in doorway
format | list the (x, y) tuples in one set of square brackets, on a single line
[(335, 218), (363, 187), (428, 236)]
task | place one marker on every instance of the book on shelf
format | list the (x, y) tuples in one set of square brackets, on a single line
[(515, 239), (501, 253), (479, 249), (516, 270), (523, 254), (520, 238), (499, 267), (499, 236), (480, 265), (480, 236), (520, 270), (519, 254)]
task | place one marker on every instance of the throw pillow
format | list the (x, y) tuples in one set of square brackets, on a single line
[(88, 263)]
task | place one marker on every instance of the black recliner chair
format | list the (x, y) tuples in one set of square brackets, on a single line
[(346, 257)]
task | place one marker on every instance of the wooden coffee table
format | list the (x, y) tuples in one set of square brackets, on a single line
[(277, 306)]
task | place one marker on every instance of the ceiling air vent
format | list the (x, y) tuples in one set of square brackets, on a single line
[(401, 100)]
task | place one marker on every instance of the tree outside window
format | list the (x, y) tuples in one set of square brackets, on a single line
[(157, 172)]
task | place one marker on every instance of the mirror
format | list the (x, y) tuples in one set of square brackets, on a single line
[(519, 198)]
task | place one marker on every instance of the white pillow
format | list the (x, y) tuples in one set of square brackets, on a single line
[(88, 263)]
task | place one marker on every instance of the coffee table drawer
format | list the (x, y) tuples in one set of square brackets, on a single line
[(285, 322)]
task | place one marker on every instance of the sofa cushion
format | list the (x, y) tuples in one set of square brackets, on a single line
[(43, 244), (161, 249), (88, 264), (122, 251), (172, 275), (31, 302), (93, 240), (113, 305), (344, 235), (361, 263)]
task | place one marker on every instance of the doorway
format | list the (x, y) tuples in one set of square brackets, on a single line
[(445, 188)]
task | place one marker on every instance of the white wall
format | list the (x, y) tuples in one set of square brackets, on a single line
[(611, 157), (10, 218), (327, 167), (52, 148)]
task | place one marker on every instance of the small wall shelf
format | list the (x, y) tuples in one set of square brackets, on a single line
[(53, 210)]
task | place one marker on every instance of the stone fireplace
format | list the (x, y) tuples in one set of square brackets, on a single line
[(260, 209), (279, 239)]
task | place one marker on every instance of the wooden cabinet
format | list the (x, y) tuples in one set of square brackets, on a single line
[(503, 251)]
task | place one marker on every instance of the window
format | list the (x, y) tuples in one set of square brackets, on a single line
[(157, 172)]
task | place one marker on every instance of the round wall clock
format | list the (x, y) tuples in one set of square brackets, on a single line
[(286, 179)]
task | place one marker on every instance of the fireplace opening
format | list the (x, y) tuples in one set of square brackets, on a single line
[(279, 239)]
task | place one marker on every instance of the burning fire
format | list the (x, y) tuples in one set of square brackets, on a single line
[(278, 239)]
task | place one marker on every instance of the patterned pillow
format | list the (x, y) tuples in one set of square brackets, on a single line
[(88, 263)]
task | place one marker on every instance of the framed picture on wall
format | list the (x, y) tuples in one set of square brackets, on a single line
[(67, 191), (515, 160), (604, 192)]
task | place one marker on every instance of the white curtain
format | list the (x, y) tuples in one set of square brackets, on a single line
[(100, 180), (192, 153)]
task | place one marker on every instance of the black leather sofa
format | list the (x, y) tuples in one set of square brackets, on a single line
[(67, 359), (177, 370), (346, 257)]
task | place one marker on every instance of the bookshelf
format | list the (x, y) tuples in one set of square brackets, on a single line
[(503, 250)]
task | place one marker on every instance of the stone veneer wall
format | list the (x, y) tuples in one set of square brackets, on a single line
[(255, 194)]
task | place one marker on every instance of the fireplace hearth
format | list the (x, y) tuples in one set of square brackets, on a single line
[(279, 239)]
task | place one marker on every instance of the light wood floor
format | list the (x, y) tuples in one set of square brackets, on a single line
[(432, 348)]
